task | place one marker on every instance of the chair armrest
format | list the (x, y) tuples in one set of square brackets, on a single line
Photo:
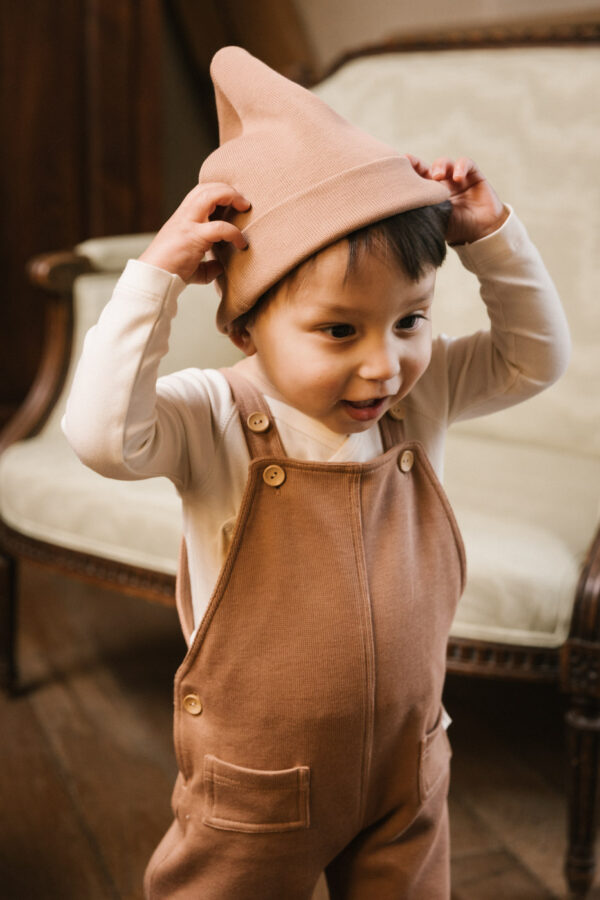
[(55, 274), (580, 659)]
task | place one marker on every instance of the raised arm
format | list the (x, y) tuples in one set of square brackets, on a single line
[(116, 420), (527, 346)]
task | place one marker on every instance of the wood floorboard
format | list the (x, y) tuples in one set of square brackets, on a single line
[(44, 843), (495, 875), (102, 697), (87, 765), (512, 799)]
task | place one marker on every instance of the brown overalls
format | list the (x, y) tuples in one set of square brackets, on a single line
[(308, 725)]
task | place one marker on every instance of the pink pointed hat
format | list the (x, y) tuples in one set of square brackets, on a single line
[(310, 176)]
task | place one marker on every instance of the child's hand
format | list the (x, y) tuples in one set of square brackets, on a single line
[(180, 245), (476, 209)]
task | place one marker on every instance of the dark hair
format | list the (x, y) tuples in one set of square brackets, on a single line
[(414, 240)]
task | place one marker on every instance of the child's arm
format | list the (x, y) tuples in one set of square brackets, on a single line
[(185, 238), (117, 421), (476, 208), (527, 346)]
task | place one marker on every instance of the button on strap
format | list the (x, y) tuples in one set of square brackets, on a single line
[(406, 461), (192, 704), (274, 476), (397, 412), (258, 422), (249, 401)]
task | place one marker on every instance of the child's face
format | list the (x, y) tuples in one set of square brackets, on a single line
[(343, 350)]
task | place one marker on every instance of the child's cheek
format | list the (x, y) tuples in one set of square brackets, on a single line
[(422, 356), (332, 384)]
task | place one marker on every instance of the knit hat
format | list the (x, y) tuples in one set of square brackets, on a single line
[(310, 176)]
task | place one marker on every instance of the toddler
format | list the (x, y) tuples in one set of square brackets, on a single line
[(321, 563)]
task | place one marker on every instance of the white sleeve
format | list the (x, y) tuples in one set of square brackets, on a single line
[(119, 419), (527, 346)]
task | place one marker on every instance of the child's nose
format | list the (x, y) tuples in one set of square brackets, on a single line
[(380, 363)]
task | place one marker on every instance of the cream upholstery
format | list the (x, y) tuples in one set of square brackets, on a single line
[(67, 504), (525, 483)]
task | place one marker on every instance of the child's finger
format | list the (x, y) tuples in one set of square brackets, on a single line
[(220, 230), (420, 167), (207, 272), (466, 168), (461, 167), (442, 168), (203, 200), (211, 196)]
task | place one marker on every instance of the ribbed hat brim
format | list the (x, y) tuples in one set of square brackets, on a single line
[(311, 177)]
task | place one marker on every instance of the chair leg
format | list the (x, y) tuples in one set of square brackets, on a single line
[(583, 742), (8, 623)]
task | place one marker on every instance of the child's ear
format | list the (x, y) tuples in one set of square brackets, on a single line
[(243, 341)]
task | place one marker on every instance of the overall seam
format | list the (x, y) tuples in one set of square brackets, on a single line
[(218, 594), (363, 600)]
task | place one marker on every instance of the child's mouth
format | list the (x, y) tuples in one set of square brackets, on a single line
[(364, 410)]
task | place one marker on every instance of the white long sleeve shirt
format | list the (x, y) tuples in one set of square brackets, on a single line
[(125, 423)]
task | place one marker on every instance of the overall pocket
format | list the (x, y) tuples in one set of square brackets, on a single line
[(434, 757), (252, 800)]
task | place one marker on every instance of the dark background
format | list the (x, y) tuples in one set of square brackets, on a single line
[(87, 110)]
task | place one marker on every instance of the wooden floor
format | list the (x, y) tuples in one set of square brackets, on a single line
[(86, 765)]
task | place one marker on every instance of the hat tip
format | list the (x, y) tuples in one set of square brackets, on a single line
[(225, 55)]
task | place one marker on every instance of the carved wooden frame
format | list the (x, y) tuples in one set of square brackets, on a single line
[(575, 666)]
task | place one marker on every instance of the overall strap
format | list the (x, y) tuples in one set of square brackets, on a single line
[(183, 593), (257, 420), (391, 427)]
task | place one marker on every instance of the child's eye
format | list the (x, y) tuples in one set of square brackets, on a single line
[(339, 331), (410, 323)]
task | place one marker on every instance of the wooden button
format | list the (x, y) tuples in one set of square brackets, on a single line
[(273, 476), (397, 412), (258, 422), (406, 461), (192, 704)]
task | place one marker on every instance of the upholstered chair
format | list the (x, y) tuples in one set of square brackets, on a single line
[(525, 483)]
